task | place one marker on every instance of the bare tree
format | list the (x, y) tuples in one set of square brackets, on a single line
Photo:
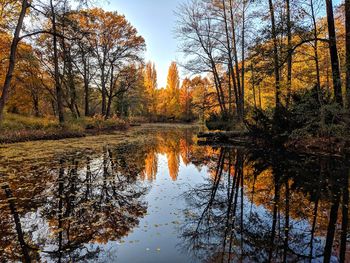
[(202, 45)]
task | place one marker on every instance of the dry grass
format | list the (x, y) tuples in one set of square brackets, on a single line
[(17, 128), (13, 122)]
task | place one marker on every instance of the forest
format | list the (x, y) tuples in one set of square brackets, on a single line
[(238, 153), (66, 64), (278, 69)]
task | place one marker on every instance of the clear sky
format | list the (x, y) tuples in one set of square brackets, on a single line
[(155, 21)]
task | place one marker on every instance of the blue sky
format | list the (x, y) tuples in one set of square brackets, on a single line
[(155, 21)]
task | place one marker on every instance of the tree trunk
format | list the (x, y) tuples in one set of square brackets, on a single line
[(317, 65), (53, 106), (110, 95), (104, 92), (12, 60), (86, 87), (275, 56), (57, 72), (347, 30), (287, 221), (274, 217), (253, 84), (71, 83), (35, 99), (87, 98), (334, 53), (243, 59), (290, 58), (73, 91), (345, 219), (237, 75), (218, 84), (217, 80), (109, 106), (317, 61), (230, 60), (16, 218), (333, 218)]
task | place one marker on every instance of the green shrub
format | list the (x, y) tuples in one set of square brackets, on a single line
[(315, 118), (224, 123), (307, 116)]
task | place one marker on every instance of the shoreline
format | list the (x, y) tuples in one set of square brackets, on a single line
[(321, 146), (334, 147), (23, 136)]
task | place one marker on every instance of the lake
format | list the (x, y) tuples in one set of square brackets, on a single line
[(155, 195)]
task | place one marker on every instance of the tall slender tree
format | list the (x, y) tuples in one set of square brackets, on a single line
[(12, 57), (289, 48), (276, 61), (173, 91), (150, 78), (333, 49), (347, 44)]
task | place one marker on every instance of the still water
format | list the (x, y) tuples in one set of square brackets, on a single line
[(164, 198)]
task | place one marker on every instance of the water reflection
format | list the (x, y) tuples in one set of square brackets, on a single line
[(79, 201), (269, 208), (249, 205), (179, 145)]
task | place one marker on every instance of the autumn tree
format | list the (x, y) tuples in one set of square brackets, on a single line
[(150, 77), (12, 56), (213, 36), (83, 51), (201, 42), (46, 14), (128, 93), (137, 97), (116, 43), (173, 91), (162, 105), (27, 95), (276, 61), (203, 97), (186, 97)]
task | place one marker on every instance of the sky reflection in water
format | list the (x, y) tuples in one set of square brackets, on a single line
[(170, 200)]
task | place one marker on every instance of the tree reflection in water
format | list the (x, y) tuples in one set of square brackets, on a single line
[(84, 201), (269, 208), (250, 206)]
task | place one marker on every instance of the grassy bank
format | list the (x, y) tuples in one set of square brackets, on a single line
[(17, 128)]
